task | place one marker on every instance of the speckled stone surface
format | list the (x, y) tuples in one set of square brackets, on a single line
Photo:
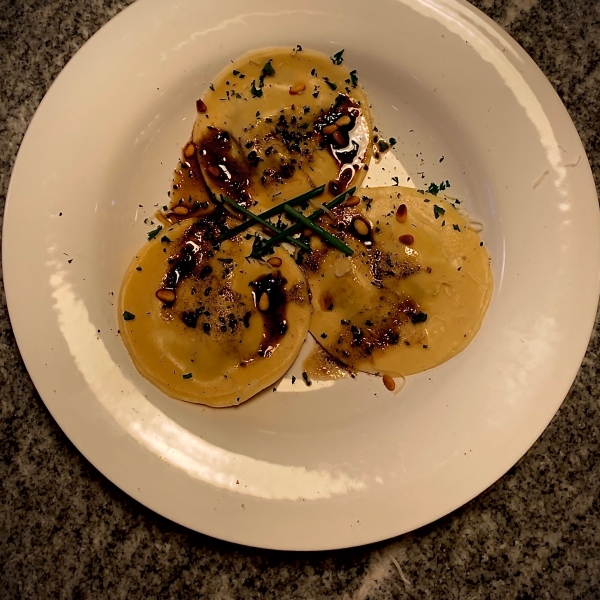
[(66, 532)]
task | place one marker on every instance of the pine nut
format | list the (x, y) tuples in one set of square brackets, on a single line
[(297, 88), (407, 239), (316, 243), (389, 382), (181, 210), (275, 261), (189, 150), (214, 171), (352, 201), (343, 121), (329, 129), (263, 303), (167, 296), (338, 137), (402, 213), (360, 227)]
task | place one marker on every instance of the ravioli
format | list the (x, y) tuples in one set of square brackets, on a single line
[(277, 122), (208, 326), (414, 292)]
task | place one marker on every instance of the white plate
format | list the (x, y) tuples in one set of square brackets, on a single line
[(333, 465)]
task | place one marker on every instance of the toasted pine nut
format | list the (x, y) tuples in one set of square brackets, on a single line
[(263, 303), (297, 88), (360, 227), (402, 213), (181, 210), (189, 150), (329, 129), (339, 138), (352, 201), (200, 106), (389, 382), (165, 295), (214, 171), (307, 232), (316, 243), (407, 239), (343, 121), (275, 261)]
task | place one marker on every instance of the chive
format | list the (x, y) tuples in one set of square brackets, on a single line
[(324, 234), (127, 316), (264, 223), (280, 237), (276, 210)]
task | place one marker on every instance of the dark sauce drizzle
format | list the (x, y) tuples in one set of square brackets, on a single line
[(195, 247), (229, 172), (344, 143), (274, 317)]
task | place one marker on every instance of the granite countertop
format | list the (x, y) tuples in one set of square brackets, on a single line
[(67, 532)]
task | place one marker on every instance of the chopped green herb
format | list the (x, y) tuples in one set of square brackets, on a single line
[(235, 72), (313, 72), (165, 208), (368, 201), (353, 78), (420, 317), (212, 87), (332, 85), (257, 114), (438, 211), (256, 92), (152, 234), (138, 268), (187, 375), (127, 316), (455, 227), (383, 146), (393, 141), (267, 70), (307, 381), (293, 380), (337, 58), (165, 239), (433, 189), (396, 181)]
